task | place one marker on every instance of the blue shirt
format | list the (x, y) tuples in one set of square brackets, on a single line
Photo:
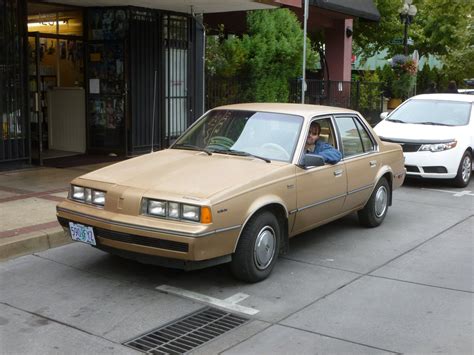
[(330, 154)]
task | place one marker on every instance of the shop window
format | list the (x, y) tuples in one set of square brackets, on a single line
[(63, 23), (107, 24)]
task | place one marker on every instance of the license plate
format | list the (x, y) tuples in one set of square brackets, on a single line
[(82, 233)]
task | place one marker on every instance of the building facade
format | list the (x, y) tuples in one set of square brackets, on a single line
[(103, 76)]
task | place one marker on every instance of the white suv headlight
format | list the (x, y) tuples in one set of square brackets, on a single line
[(438, 147)]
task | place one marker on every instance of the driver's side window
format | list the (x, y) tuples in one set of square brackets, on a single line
[(327, 134)]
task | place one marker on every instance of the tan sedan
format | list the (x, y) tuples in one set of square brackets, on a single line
[(234, 188)]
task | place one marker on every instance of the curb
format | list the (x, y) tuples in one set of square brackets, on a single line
[(31, 243)]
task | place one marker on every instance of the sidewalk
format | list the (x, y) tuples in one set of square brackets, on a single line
[(28, 200)]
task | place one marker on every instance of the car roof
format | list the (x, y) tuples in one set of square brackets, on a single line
[(291, 109), (447, 97)]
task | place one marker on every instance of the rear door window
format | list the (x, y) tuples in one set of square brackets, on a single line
[(355, 138)]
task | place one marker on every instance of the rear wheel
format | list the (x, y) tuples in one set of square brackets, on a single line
[(374, 212), (464, 171), (257, 249)]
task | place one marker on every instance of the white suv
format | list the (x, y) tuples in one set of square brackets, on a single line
[(436, 134)]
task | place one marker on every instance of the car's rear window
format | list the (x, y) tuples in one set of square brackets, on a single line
[(434, 112)]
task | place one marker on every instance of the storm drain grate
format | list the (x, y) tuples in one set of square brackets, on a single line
[(186, 334)]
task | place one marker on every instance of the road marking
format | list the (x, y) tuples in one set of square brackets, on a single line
[(228, 303), (454, 193), (236, 298)]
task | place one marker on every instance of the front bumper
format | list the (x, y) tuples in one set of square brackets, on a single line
[(438, 165), (154, 245)]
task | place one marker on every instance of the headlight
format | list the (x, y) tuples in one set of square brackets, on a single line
[(176, 210), (156, 208), (98, 197), (78, 193), (191, 212), (438, 147), (173, 209), (88, 195)]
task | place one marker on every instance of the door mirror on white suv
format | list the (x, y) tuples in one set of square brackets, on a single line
[(383, 115)]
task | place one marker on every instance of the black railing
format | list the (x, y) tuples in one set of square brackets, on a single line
[(365, 97)]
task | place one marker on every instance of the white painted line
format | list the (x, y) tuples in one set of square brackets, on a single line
[(463, 193), (236, 298), (207, 299), (454, 193)]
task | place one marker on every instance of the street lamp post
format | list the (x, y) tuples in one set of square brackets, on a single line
[(407, 13)]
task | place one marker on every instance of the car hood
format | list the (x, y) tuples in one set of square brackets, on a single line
[(416, 132), (185, 173)]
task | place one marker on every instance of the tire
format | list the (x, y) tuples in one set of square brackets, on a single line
[(464, 170), (374, 212), (257, 250)]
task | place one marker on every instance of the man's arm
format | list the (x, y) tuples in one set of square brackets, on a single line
[(330, 154)]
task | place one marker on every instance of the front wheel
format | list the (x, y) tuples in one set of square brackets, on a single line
[(374, 212), (464, 171), (257, 249)]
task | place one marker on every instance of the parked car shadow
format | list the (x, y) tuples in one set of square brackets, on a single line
[(430, 183)]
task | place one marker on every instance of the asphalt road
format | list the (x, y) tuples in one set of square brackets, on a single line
[(404, 287)]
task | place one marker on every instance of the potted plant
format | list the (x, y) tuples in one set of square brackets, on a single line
[(403, 80)]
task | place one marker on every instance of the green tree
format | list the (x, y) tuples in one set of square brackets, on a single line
[(438, 28), (266, 57)]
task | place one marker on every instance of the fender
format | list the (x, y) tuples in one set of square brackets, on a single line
[(258, 205), (382, 171)]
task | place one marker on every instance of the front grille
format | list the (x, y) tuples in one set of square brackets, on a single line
[(412, 169), (188, 333), (133, 239), (407, 147), (435, 169), (410, 147), (140, 240)]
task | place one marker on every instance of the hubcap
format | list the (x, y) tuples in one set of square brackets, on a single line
[(466, 168), (264, 247), (381, 201)]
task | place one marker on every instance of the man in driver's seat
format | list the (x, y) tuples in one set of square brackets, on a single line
[(316, 146)]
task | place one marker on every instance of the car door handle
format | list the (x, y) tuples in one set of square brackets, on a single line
[(337, 173), (373, 163)]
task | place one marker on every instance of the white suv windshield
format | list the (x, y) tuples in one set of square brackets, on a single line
[(434, 112), (263, 134)]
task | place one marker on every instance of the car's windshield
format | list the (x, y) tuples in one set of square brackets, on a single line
[(263, 134), (433, 112)]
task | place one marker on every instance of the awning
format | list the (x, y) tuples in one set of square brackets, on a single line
[(364, 9), (183, 6)]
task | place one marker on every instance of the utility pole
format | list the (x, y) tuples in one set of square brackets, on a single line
[(305, 30)]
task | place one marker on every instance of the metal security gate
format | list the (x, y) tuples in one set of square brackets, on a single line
[(14, 129), (178, 92), (160, 46), (144, 40)]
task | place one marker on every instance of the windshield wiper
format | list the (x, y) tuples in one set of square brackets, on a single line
[(192, 147), (434, 123), (398, 121), (241, 153)]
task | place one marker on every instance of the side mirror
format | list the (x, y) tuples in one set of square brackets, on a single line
[(383, 115), (312, 160)]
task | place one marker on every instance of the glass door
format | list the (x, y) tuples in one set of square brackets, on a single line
[(36, 114)]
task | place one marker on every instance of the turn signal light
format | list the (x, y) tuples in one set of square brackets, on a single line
[(206, 216)]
